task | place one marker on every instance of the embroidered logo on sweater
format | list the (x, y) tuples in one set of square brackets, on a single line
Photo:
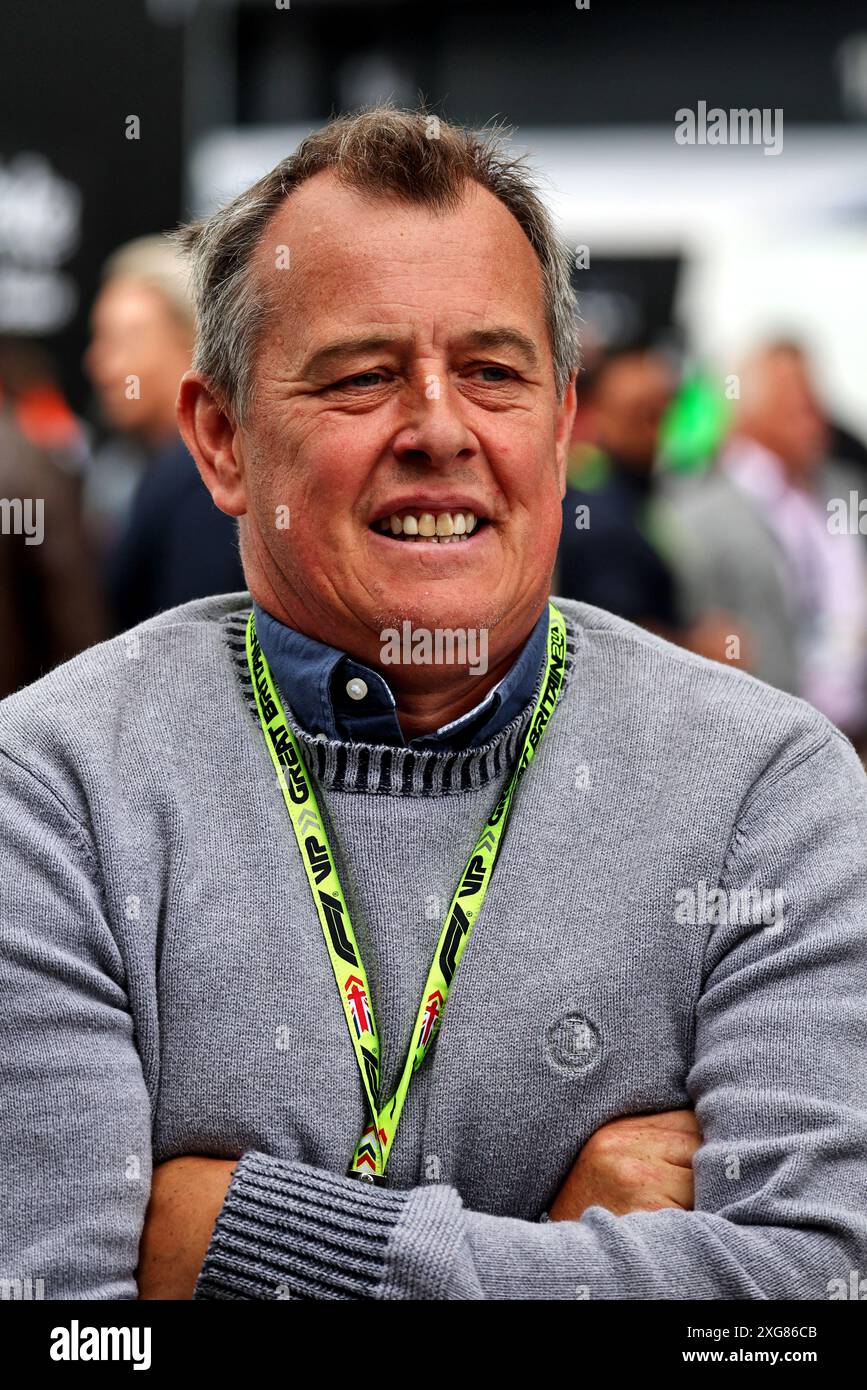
[(574, 1041)]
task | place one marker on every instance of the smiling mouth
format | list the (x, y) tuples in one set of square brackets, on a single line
[(443, 528)]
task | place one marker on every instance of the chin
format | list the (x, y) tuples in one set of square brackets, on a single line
[(441, 606)]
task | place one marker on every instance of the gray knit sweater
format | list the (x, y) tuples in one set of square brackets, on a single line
[(679, 918)]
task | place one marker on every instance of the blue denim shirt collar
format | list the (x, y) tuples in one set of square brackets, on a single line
[(313, 676)]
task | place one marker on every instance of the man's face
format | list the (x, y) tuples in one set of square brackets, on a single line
[(137, 355), (406, 373), (786, 416), (632, 398)]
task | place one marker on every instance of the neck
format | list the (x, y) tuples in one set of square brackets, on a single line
[(422, 706), (422, 711)]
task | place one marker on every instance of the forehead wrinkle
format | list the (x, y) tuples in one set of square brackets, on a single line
[(306, 288), (329, 238)]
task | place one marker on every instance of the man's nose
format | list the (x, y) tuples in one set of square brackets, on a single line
[(434, 433)]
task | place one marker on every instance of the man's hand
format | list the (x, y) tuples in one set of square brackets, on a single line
[(186, 1196), (641, 1163)]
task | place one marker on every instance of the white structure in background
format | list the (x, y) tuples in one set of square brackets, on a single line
[(40, 228), (770, 246)]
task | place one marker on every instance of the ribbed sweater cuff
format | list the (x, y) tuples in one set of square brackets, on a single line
[(287, 1230)]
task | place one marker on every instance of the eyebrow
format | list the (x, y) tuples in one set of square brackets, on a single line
[(480, 340), (345, 347), (493, 338)]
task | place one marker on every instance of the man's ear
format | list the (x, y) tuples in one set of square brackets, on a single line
[(212, 438), (563, 433)]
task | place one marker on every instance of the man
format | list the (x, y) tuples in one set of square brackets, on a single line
[(174, 545), (212, 821), (755, 544), (609, 553)]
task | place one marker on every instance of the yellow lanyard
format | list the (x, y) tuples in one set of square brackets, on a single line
[(374, 1146)]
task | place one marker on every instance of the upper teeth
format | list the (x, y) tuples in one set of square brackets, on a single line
[(442, 526)]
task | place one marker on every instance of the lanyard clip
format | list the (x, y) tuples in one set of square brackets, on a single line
[(379, 1179)]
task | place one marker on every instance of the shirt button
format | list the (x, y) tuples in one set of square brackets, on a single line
[(356, 689)]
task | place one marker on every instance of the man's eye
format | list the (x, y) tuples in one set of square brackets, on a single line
[(361, 379), (500, 374)]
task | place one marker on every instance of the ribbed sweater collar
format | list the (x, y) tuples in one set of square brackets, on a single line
[(378, 770)]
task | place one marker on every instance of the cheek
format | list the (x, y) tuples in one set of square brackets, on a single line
[(526, 473), (524, 466), (323, 461), (314, 483)]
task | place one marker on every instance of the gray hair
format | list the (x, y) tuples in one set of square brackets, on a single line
[(410, 155)]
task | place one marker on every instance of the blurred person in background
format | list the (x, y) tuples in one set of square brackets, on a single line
[(176, 545), (611, 554), (754, 546), (31, 392), (51, 606)]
